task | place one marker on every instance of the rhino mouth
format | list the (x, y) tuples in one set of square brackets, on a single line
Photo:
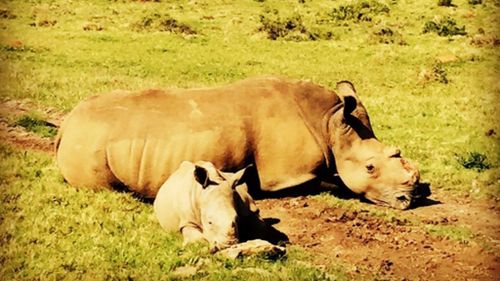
[(403, 201), (406, 200)]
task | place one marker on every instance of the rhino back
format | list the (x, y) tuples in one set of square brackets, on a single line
[(144, 161), (141, 137)]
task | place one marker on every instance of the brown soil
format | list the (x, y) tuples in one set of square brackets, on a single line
[(398, 250), (368, 246), (18, 136)]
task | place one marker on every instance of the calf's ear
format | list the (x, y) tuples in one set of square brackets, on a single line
[(201, 175)]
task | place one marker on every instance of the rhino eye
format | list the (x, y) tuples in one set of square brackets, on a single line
[(370, 168)]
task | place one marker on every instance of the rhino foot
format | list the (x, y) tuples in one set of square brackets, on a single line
[(254, 247)]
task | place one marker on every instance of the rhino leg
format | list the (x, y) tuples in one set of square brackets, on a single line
[(191, 234)]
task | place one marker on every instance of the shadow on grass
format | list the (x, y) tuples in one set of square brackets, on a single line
[(335, 187)]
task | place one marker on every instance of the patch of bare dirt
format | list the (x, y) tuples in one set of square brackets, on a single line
[(481, 216), (394, 250), (18, 136)]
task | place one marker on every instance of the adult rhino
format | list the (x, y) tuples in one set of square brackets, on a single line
[(293, 132)]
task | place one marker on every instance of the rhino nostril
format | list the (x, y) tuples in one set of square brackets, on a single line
[(402, 198), (402, 202), (396, 153), (214, 249)]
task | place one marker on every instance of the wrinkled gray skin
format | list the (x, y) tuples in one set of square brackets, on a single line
[(293, 132), (204, 204)]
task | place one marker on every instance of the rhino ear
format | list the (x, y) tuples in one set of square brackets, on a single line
[(347, 93), (201, 175), (244, 175), (350, 104), (345, 88)]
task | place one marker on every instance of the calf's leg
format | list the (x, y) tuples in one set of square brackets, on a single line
[(191, 234)]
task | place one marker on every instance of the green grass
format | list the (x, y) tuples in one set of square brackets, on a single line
[(58, 52), (49, 230), (461, 234), (474, 160), (33, 122), (444, 27)]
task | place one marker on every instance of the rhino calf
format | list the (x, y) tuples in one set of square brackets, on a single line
[(204, 203)]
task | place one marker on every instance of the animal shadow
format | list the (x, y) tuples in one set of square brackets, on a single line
[(424, 199), (254, 227), (333, 186)]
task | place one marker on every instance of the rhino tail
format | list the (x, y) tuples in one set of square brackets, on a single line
[(57, 140), (60, 131)]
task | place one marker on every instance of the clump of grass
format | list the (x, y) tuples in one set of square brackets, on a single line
[(481, 40), (387, 35), (474, 161), (290, 28), (359, 11), (37, 125), (475, 2), (439, 73), (162, 22), (445, 3), (444, 27), (6, 14), (14, 46), (44, 23), (461, 234)]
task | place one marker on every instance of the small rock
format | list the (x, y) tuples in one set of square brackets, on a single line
[(484, 39), (185, 271), (447, 58), (425, 75), (15, 44), (470, 14), (257, 271)]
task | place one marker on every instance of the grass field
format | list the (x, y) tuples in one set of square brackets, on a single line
[(434, 94)]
